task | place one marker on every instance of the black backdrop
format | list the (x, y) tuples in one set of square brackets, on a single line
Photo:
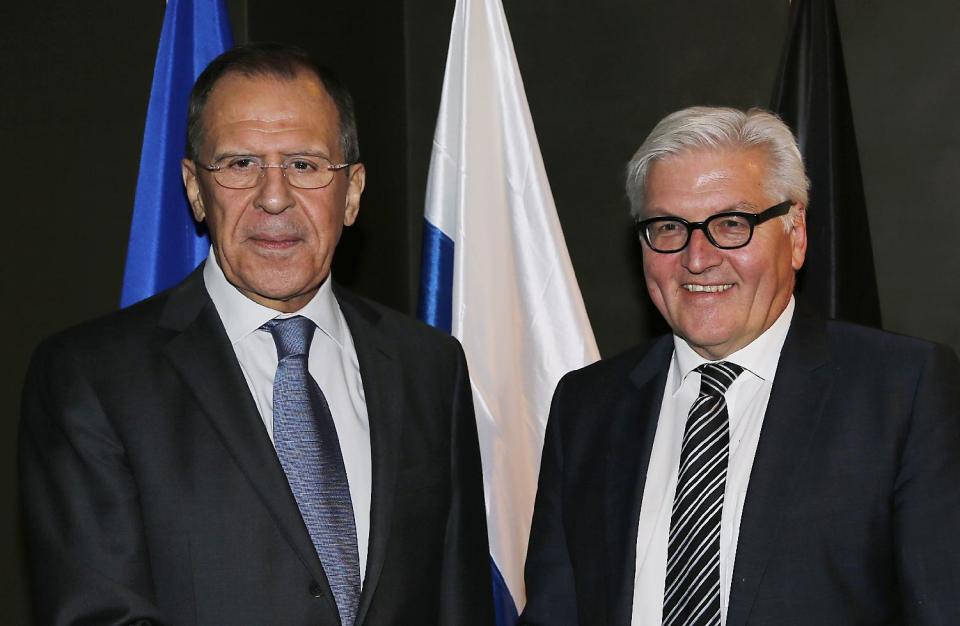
[(76, 78)]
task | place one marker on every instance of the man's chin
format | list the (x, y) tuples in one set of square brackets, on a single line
[(715, 344), (286, 298)]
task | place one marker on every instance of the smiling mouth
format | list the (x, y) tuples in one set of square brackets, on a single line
[(693, 288)]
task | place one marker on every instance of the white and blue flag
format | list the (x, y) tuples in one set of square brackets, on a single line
[(496, 274)]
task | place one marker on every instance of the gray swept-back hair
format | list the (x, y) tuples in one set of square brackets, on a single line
[(277, 60), (722, 128)]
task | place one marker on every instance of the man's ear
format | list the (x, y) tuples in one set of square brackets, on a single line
[(358, 178), (188, 169), (798, 236)]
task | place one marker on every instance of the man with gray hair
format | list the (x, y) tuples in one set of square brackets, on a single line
[(760, 465), (257, 446)]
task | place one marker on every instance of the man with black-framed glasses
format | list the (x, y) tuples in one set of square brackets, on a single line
[(760, 465)]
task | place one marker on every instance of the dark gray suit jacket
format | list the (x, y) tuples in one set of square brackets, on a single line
[(852, 514), (152, 494)]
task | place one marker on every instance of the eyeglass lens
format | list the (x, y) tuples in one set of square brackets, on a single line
[(244, 172), (724, 231)]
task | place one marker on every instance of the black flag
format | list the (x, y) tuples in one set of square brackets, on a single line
[(838, 278)]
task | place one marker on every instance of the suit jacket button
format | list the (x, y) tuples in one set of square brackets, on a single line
[(316, 590)]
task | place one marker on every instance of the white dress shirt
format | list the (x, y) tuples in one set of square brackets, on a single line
[(332, 363), (747, 400)]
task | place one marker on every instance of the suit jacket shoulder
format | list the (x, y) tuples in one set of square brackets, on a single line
[(862, 345), (603, 381), (128, 331), (399, 327)]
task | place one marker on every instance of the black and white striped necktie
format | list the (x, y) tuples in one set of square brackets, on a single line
[(692, 587)]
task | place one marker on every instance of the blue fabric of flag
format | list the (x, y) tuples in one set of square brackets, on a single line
[(436, 278), (504, 608), (434, 307), (165, 242)]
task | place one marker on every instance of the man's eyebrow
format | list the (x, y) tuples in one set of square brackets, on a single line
[(743, 205), (313, 153), (286, 155), (233, 153)]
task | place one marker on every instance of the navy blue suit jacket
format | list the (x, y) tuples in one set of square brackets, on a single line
[(852, 514)]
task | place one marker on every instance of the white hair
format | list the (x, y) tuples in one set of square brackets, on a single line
[(722, 128)]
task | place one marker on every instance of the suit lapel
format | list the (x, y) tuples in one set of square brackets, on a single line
[(800, 389), (383, 391), (206, 362), (633, 426)]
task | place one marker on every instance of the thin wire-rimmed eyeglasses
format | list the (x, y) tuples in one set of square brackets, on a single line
[(245, 172), (728, 230)]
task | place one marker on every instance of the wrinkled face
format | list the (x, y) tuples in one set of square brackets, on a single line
[(274, 242), (720, 300)]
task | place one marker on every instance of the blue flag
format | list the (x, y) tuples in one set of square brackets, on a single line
[(165, 242)]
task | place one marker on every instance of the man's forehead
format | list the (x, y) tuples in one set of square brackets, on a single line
[(237, 85), (708, 170), (698, 183), (712, 176), (265, 105)]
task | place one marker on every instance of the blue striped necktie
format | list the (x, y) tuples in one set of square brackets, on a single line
[(306, 441), (692, 586)]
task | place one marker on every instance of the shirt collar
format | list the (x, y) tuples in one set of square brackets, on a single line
[(241, 315), (760, 356)]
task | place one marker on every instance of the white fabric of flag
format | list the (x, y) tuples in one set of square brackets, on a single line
[(516, 306)]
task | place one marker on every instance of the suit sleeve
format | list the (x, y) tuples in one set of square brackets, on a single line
[(548, 573), (467, 595), (87, 555), (927, 497)]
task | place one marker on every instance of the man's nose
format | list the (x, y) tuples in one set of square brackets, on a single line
[(700, 255), (274, 194)]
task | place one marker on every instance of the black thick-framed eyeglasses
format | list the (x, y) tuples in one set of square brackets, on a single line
[(728, 230)]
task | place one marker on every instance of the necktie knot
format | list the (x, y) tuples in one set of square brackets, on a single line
[(292, 335), (716, 378)]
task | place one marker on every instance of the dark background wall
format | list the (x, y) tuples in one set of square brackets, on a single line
[(76, 79)]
